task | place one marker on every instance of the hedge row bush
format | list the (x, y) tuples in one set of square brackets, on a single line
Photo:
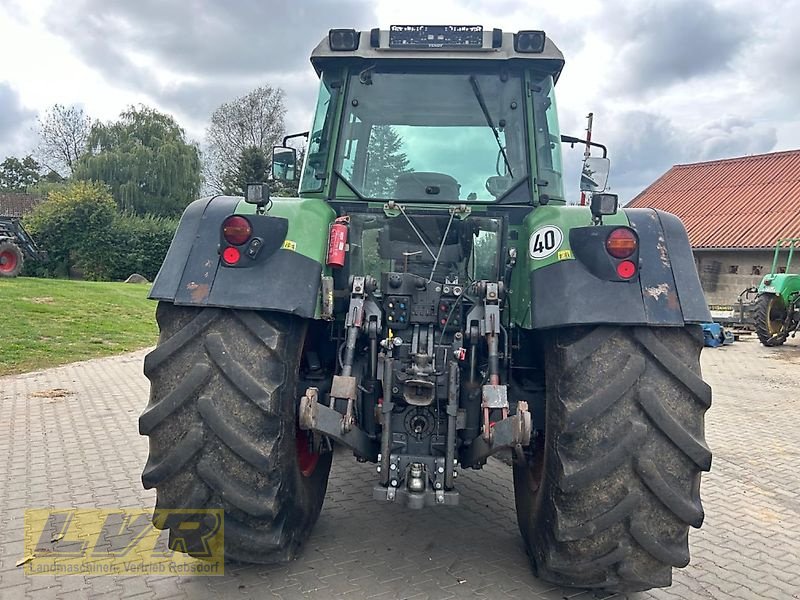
[(140, 244), (81, 230)]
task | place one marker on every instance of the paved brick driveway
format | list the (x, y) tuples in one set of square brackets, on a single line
[(82, 449)]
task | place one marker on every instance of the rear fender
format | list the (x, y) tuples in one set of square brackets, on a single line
[(284, 276), (782, 284), (577, 283)]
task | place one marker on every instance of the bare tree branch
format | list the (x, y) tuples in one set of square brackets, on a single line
[(63, 134), (253, 120)]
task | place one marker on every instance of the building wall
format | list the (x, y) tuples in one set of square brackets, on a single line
[(17, 204), (724, 274)]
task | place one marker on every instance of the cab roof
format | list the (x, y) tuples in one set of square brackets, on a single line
[(379, 46)]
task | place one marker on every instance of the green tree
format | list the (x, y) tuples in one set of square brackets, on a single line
[(52, 177), (253, 167), (16, 175), (386, 162), (145, 160)]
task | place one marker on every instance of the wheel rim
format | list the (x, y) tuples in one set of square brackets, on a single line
[(306, 459), (8, 261), (776, 314)]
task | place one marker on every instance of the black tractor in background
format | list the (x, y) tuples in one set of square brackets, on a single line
[(16, 245)]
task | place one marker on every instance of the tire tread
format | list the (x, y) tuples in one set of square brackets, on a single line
[(761, 322), (221, 404), (626, 450)]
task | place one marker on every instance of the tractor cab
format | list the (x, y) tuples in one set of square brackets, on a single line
[(433, 142), (436, 115)]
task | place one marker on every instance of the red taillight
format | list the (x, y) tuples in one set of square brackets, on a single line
[(231, 255), (626, 269), (236, 230), (621, 243)]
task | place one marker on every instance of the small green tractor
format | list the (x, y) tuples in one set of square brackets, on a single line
[(430, 299), (776, 313)]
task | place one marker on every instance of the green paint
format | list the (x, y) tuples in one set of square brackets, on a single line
[(563, 217), (309, 220), (786, 285)]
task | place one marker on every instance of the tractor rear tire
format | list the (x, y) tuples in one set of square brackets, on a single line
[(769, 314), (607, 498), (222, 423), (11, 259)]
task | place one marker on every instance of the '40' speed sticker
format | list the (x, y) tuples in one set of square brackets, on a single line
[(544, 242)]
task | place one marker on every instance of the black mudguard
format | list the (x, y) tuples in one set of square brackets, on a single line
[(666, 291), (192, 273)]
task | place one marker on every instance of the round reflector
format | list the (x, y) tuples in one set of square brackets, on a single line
[(621, 243), (236, 230), (231, 255), (626, 269)]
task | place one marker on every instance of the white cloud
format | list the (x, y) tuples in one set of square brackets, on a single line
[(668, 82), (15, 121)]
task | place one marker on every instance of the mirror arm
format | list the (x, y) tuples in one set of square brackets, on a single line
[(568, 139), (294, 135)]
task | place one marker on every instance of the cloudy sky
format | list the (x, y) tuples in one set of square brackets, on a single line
[(669, 81)]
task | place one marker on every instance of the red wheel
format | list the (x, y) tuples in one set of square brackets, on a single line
[(306, 458), (10, 260)]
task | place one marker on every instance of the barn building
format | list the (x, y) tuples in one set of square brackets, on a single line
[(17, 204), (734, 210)]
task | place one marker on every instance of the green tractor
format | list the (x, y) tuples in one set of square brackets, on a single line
[(776, 312), (428, 301)]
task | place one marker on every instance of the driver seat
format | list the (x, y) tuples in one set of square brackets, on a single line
[(413, 185)]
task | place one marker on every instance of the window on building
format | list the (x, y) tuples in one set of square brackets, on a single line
[(710, 275), (756, 270), (733, 269)]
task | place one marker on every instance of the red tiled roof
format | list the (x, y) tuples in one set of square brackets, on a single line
[(746, 202), (17, 204)]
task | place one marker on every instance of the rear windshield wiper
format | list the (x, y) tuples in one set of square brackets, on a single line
[(481, 100)]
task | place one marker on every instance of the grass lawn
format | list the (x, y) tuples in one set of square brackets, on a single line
[(48, 322)]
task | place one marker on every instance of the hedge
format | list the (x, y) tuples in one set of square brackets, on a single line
[(80, 229), (140, 244)]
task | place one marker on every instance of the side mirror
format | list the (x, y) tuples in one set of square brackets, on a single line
[(284, 163), (595, 174), (603, 204)]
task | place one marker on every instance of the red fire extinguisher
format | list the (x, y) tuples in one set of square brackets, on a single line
[(337, 242)]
